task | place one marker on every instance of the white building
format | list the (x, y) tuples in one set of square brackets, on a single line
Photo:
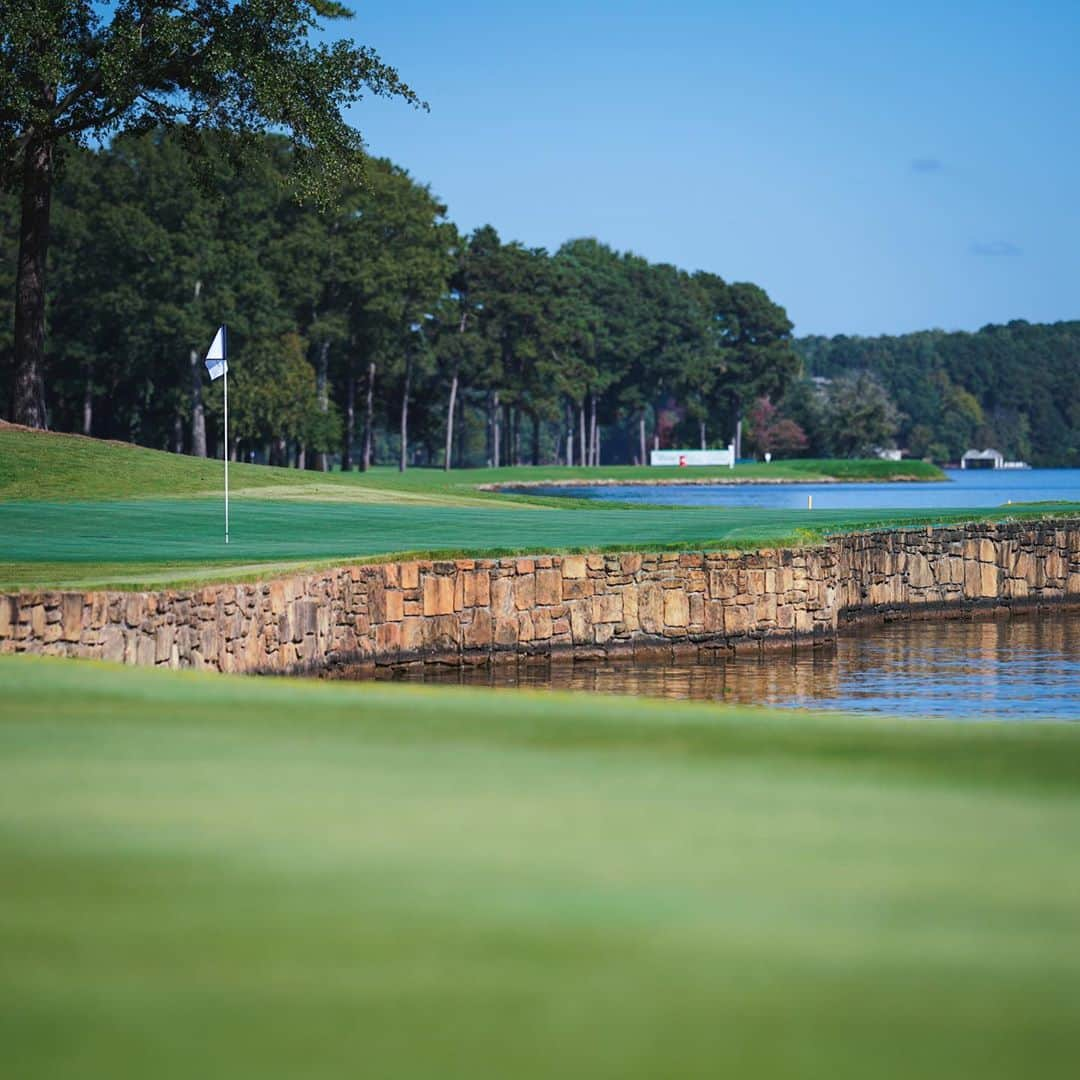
[(723, 458), (982, 459), (989, 459)]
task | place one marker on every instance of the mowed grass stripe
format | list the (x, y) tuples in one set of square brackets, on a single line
[(92, 542), (77, 512), (234, 877)]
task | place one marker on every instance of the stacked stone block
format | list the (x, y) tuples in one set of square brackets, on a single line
[(473, 610)]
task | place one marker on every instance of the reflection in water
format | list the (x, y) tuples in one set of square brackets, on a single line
[(1021, 668)]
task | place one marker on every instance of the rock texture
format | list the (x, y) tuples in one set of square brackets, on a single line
[(472, 610)]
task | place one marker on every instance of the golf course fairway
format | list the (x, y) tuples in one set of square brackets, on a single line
[(82, 513), (233, 877)]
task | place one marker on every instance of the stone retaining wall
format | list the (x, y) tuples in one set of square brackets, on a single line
[(471, 610)]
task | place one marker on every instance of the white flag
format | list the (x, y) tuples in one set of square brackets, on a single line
[(215, 358)]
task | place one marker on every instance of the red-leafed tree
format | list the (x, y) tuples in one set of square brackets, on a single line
[(773, 433)]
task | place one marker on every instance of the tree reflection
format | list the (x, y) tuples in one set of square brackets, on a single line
[(1021, 667)]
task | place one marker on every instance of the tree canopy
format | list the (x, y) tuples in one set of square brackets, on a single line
[(372, 329), (74, 73), (1014, 387)]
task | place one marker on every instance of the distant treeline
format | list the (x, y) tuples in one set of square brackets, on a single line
[(373, 331), (1014, 387), (376, 331)]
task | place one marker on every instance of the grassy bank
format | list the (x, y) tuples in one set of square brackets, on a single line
[(45, 465), (205, 876)]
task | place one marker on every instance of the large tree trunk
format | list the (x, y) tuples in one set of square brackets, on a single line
[(322, 389), (496, 430), (593, 436), (738, 434), (88, 405), (641, 436), (177, 434), (447, 456), (198, 413), (30, 282), (461, 432), (489, 428), (701, 432), (403, 461), (569, 434), (369, 416), (350, 418), (581, 433), (535, 439)]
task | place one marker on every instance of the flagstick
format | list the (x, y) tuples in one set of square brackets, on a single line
[(226, 449), (217, 364)]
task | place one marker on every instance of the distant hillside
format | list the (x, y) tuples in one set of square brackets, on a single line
[(1014, 387)]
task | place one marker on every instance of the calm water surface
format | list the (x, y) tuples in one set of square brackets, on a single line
[(964, 488), (1023, 668)]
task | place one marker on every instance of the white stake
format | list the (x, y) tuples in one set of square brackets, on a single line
[(809, 502)]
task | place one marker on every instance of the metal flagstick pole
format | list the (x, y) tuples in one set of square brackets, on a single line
[(225, 352), (217, 365)]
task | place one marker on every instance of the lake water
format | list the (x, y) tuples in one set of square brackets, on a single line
[(1024, 668), (965, 488)]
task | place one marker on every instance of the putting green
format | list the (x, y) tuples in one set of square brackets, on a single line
[(220, 877), (77, 512), (173, 540)]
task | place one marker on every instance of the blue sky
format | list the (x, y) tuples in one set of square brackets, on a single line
[(878, 167)]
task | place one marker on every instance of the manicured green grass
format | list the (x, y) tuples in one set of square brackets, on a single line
[(224, 877), (230, 878), (77, 512), (45, 465), (864, 469), (435, 480), (158, 542)]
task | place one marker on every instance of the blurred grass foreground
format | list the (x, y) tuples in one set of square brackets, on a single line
[(222, 877)]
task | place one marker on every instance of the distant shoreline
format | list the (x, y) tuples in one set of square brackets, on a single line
[(712, 481)]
